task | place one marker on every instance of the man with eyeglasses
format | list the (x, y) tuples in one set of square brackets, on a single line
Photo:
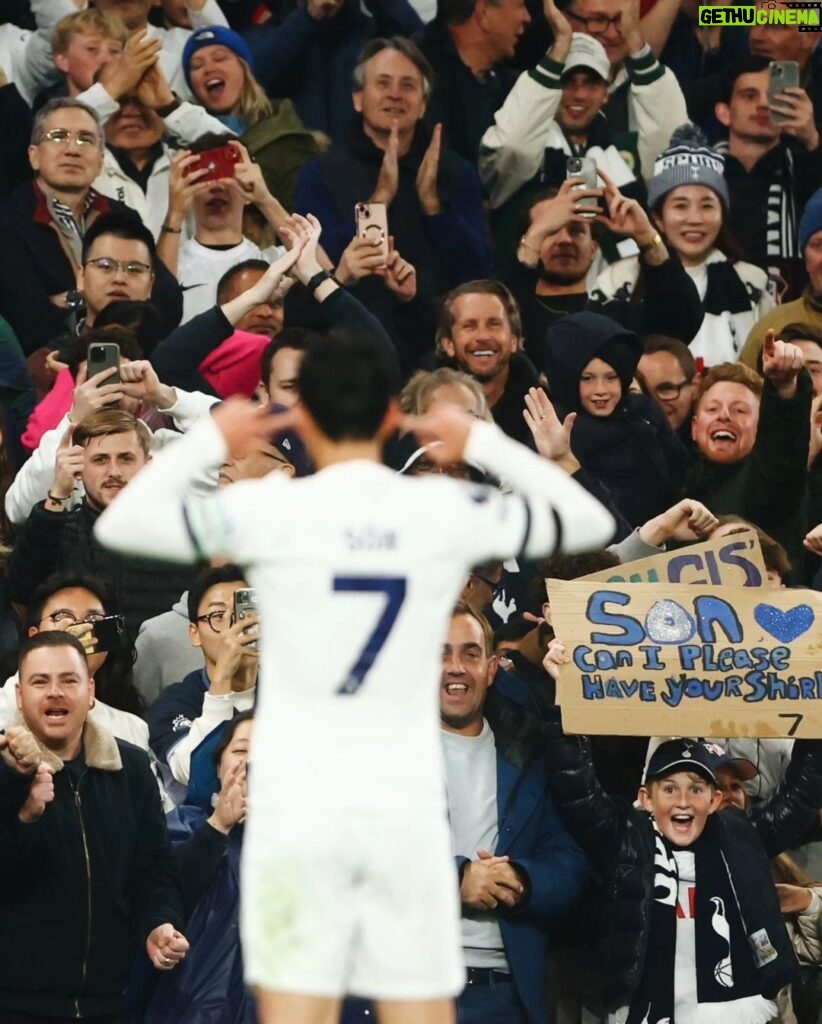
[(641, 108), (188, 711), (669, 373), (43, 223)]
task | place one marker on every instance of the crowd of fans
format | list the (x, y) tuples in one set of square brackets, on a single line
[(604, 234)]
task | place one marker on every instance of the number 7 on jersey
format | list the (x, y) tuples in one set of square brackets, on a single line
[(393, 587)]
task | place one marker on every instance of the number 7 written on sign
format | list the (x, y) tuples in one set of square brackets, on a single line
[(797, 721), (393, 587)]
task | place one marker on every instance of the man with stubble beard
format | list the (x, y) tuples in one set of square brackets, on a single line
[(555, 253)]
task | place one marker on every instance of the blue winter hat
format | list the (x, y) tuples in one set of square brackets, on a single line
[(811, 221), (215, 35)]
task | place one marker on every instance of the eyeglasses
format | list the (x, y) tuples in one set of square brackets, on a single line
[(597, 22), (107, 265), (62, 137), (63, 617), (669, 390), (216, 620), (496, 588), (456, 470)]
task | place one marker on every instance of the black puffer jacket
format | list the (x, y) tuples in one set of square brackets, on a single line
[(619, 840)]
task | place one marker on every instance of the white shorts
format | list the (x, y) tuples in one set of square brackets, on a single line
[(364, 908)]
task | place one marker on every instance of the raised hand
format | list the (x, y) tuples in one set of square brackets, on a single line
[(20, 750), (552, 437), (153, 89), (389, 176), (560, 29), (399, 275), (551, 215), (68, 466), (555, 657), (303, 233), (625, 216), (140, 380), (121, 76), (232, 800), (360, 259), (92, 393), (183, 186), (795, 107), (427, 174), (245, 426), (781, 363)]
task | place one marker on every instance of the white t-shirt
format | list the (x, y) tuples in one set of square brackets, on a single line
[(200, 267), (471, 783)]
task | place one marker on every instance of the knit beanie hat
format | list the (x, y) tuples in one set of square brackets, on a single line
[(214, 35), (811, 221), (688, 160)]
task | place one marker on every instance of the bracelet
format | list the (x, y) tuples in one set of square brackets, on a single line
[(168, 108), (167, 229), (56, 500), (530, 248), (655, 241), (317, 280)]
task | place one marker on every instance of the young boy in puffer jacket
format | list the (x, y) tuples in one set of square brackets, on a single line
[(692, 929)]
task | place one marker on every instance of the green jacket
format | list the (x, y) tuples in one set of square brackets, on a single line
[(281, 144)]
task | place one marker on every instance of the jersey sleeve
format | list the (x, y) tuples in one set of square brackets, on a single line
[(157, 516), (548, 511)]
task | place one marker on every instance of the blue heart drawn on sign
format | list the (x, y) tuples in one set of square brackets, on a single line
[(784, 626)]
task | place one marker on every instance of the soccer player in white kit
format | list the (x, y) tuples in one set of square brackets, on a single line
[(349, 884)]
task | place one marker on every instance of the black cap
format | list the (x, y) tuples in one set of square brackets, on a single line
[(688, 755)]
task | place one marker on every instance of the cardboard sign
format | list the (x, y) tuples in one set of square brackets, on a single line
[(728, 561), (735, 661)]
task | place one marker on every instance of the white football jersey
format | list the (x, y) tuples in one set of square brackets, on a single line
[(356, 570)]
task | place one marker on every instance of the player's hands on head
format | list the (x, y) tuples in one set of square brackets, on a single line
[(446, 424), (245, 426)]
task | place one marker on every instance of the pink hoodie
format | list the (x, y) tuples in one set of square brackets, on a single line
[(48, 413), (233, 368)]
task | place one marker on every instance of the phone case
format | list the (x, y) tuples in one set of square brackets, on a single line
[(372, 222), (104, 356), (218, 162), (784, 74), (584, 167)]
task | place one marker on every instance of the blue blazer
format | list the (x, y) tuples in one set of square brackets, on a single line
[(532, 835)]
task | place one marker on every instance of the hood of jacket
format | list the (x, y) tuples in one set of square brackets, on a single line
[(572, 342)]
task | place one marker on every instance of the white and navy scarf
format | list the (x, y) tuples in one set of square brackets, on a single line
[(726, 974)]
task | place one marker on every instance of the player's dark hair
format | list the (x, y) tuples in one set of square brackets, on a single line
[(207, 579), (228, 734), (119, 225), (225, 281), (49, 638), (346, 382)]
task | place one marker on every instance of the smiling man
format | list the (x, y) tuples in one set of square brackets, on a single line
[(480, 332), (68, 787), (105, 450), (752, 437), (513, 878)]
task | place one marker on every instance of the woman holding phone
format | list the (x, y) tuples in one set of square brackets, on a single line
[(688, 198), (218, 67)]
